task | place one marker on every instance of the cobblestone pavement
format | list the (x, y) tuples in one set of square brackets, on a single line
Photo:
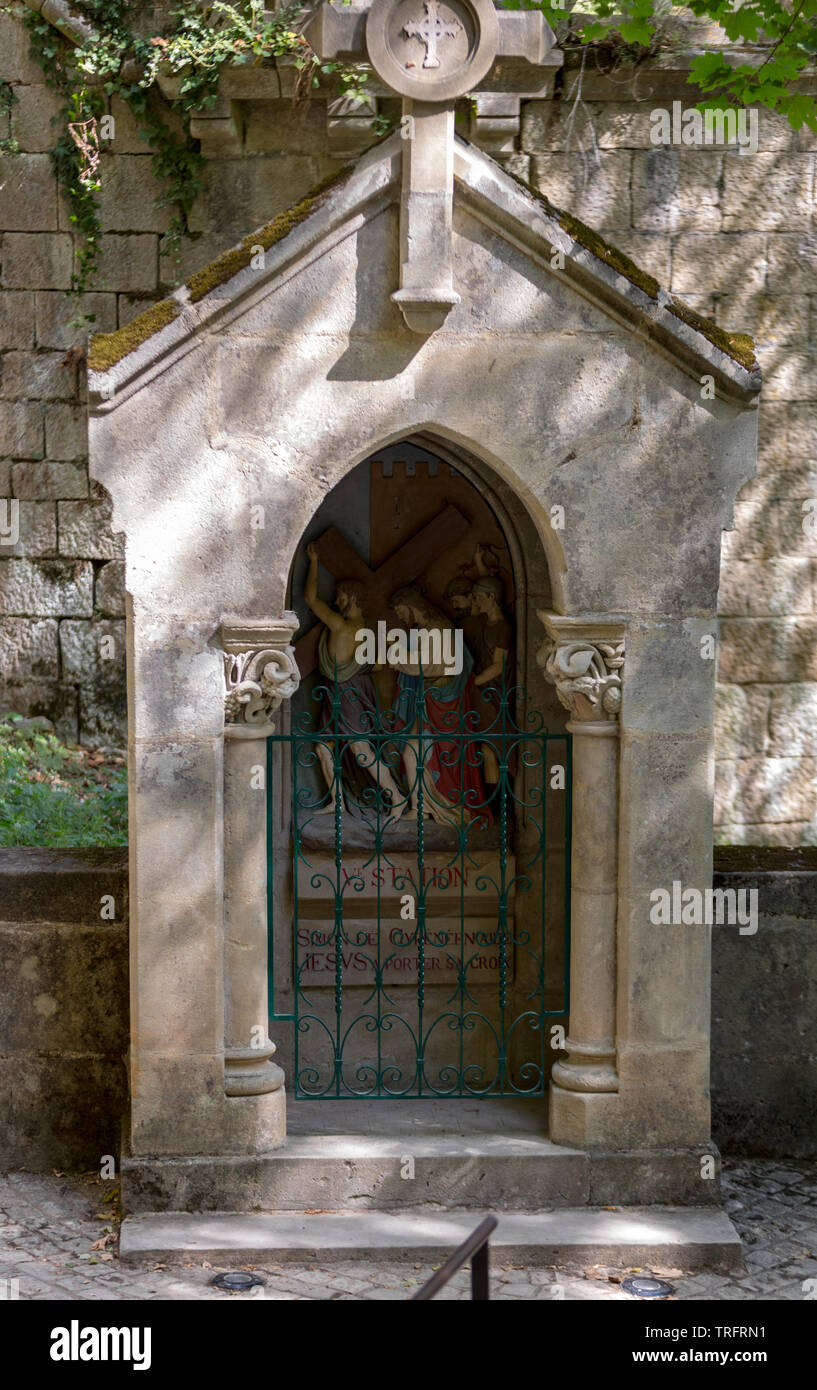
[(50, 1224)]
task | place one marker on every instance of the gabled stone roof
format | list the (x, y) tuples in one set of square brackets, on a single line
[(594, 264)]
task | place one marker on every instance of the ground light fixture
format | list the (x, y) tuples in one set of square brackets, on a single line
[(236, 1281), (644, 1286)]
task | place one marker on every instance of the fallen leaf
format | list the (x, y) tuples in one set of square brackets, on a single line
[(609, 1208)]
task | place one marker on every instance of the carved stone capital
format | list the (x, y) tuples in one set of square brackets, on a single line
[(260, 672), (584, 660)]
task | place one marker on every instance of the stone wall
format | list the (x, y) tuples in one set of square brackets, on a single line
[(734, 235), (63, 1006), (64, 1009), (764, 1007)]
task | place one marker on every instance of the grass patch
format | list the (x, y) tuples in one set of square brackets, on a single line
[(53, 793)]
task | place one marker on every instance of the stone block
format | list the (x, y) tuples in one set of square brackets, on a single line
[(126, 137), (772, 435), (741, 719), (66, 432), (754, 588), (772, 192), (557, 125), (280, 127), (38, 531), (91, 651), (21, 429), (28, 650), (128, 262), (726, 788), (801, 431), (753, 535), (60, 1112), (177, 679), (178, 265), (37, 375), (777, 789), (28, 193), (649, 250), (239, 194), (5, 478), (663, 658), (48, 588), (85, 531), (769, 319), (762, 649), (726, 264), (37, 260), (55, 312), (796, 526), (14, 46), (49, 698), (16, 318), (103, 711), (792, 258), (793, 721), (34, 118), (128, 195), (792, 376), (595, 192), (676, 191), (109, 595), (47, 480)]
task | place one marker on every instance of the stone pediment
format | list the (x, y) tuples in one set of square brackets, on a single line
[(580, 260)]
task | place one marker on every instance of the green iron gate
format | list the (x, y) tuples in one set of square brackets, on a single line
[(426, 956)]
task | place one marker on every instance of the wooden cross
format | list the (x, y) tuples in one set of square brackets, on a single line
[(404, 566), (430, 30), (462, 40)]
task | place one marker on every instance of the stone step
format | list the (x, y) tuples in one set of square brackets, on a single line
[(688, 1238), (515, 1171)]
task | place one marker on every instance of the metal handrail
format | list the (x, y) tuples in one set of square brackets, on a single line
[(475, 1249)]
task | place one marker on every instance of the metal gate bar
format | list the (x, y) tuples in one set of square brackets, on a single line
[(324, 1010)]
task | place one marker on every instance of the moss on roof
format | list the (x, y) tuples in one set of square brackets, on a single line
[(224, 267), (587, 237), (739, 346), (106, 349)]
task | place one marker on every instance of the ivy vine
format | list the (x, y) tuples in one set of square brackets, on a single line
[(193, 46)]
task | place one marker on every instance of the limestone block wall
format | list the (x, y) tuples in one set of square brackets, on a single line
[(734, 235), (63, 1007)]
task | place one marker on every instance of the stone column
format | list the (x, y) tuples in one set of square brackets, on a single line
[(261, 672), (584, 658)]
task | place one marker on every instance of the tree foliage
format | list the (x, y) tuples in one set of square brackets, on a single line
[(772, 44)]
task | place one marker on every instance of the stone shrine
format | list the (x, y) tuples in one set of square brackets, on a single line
[(426, 338)]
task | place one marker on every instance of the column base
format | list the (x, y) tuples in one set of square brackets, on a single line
[(249, 1071), (589, 1067), (583, 1119)]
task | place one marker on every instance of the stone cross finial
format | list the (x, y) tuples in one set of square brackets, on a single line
[(429, 60)]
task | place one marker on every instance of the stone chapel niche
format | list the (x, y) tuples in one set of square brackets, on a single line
[(456, 999)]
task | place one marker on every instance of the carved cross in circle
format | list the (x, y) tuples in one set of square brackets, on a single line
[(431, 30)]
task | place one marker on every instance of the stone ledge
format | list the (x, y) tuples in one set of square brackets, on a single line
[(688, 1237), (62, 885)]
